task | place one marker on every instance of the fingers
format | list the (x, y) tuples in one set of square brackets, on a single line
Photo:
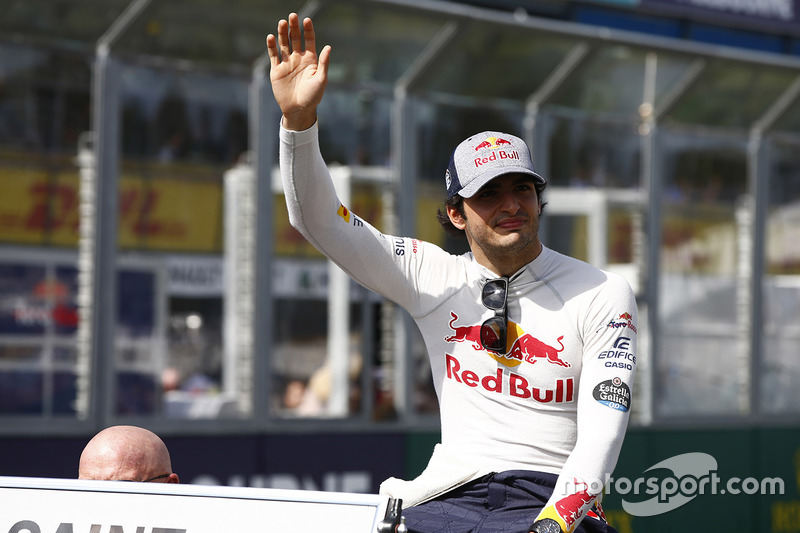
[(272, 50), (289, 38), (311, 38), (294, 32), (325, 60), (283, 37)]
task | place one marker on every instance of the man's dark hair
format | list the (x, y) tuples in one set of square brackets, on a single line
[(457, 202)]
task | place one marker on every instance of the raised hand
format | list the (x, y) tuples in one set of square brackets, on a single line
[(298, 76)]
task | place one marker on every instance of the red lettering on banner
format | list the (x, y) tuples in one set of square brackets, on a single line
[(138, 213), (54, 207)]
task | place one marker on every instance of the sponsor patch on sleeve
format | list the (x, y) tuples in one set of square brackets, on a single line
[(625, 320), (613, 393), (344, 213)]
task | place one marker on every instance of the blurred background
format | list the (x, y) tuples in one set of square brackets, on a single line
[(149, 276)]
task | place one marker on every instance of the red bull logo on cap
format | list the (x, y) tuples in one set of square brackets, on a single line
[(494, 143), (520, 346)]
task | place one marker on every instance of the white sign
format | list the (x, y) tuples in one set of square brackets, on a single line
[(40, 505), (195, 276)]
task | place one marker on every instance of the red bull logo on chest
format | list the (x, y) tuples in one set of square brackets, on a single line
[(511, 384), (520, 346)]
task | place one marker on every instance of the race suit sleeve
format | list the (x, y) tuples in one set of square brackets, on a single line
[(604, 402), (379, 262)]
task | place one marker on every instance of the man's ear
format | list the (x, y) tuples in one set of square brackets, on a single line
[(456, 217)]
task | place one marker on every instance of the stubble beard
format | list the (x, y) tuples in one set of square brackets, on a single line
[(521, 250)]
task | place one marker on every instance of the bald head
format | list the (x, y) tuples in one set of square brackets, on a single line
[(126, 453)]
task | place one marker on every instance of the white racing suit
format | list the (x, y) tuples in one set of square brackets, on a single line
[(558, 401)]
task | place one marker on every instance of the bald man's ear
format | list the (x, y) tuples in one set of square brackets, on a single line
[(173, 478)]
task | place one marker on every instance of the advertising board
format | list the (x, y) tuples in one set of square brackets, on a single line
[(45, 505)]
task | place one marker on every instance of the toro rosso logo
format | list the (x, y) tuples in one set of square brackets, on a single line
[(520, 346), (625, 320)]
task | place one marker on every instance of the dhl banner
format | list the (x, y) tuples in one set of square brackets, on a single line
[(42, 505), (175, 215), (37, 210), (172, 214), (43, 208)]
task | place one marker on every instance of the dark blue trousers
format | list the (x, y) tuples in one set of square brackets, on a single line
[(505, 502)]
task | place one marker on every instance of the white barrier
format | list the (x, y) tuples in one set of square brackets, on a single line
[(43, 505)]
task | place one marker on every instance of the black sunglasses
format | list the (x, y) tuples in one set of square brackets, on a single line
[(494, 330), (162, 476)]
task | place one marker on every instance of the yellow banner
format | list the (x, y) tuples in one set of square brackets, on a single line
[(178, 214), (41, 208), (170, 214), (38, 209)]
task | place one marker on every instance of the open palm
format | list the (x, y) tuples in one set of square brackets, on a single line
[(298, 76)]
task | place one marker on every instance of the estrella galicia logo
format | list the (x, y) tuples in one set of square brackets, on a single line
[(613, 393)]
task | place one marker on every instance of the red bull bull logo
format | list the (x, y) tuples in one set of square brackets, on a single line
[(530, 349), (492, 143), (520, 346), (468, 334)]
